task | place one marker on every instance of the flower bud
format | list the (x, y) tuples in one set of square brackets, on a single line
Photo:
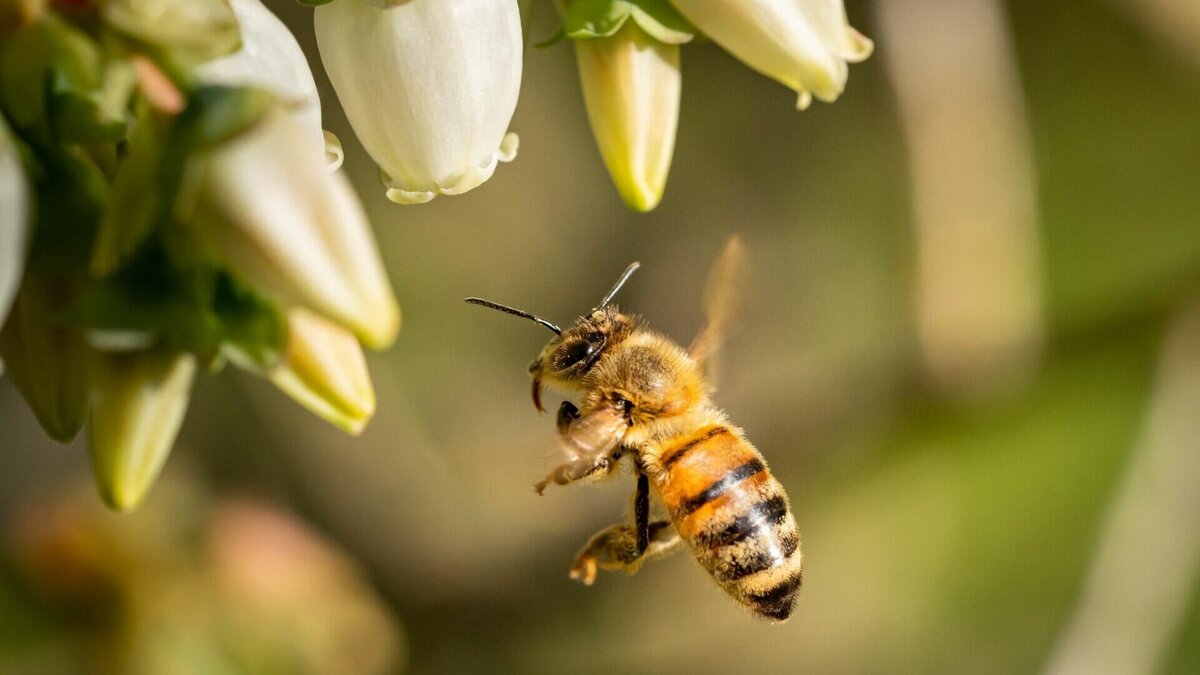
[(804, 44), (631, 85), (290, 228), (324, 370), (271, 59), (140, 401), (14, 221), (48, 359), (429, 86)]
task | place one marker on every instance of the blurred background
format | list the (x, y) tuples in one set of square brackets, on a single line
[(969, 347)]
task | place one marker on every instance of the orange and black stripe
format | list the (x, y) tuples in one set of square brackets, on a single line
[(735, 515)]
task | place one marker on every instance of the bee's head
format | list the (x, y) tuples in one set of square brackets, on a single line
[(570, 354)]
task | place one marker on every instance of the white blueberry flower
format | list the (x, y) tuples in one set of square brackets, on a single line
[(292, 229), (429, 86), (804, 44), (270, 58)]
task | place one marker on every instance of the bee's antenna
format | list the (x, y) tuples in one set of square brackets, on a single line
[(512, 310), (633, 267)]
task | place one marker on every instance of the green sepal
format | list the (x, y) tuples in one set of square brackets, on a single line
[(558, 36), (593, 19), (56, 85), (72, 192), (254, 330), (151, 185), (202, 310), (662, 21)]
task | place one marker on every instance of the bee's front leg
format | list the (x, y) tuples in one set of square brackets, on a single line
[(590, 441)]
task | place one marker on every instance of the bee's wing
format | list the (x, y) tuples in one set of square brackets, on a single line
[(720, 296), (594, 433)]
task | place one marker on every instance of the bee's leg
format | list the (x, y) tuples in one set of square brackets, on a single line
[(584, 467), (579, 465), (615, 548), (623, 547)]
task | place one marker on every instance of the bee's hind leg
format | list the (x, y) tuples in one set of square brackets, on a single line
[(622, 547)]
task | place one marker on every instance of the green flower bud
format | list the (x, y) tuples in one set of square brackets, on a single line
[(48, 359), (631, 85), (140, 401)]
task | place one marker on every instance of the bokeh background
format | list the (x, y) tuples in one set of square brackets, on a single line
[(969, 346)]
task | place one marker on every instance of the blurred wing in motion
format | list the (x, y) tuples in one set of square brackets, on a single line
[(720, 296)]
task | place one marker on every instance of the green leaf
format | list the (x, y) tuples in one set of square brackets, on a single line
[(592, 19), (662, 21), (314, 3)]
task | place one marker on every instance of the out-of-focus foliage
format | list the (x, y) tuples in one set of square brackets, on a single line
[(942, 534), (192, 586)]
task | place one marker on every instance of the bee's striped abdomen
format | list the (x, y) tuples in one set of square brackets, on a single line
[(734, 514)]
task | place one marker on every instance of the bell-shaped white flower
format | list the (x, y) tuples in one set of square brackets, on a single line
[(324, 370), (288, 227), (631, 85), (14, 221), (139, 404), (270, 58), (429, 86), (804, 44)]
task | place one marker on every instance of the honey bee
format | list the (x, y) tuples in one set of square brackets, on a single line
[(644, 397)]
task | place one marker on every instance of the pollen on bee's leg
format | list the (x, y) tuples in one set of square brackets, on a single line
[(584, 570)]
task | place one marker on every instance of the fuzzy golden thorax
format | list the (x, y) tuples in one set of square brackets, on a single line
[(614, 359)]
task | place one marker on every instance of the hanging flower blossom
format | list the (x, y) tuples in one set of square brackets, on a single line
[(429, 86), (804, 44), (271, 59), (290, 228), (631, 85)]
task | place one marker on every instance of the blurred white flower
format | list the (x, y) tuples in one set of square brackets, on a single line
[(14, 221), (429, 86), (271, 59), (290, 228), (324, 370), (631, 85), (804, 44), (139, 403)]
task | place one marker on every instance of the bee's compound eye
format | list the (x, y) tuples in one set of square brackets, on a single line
[(573, 353)]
